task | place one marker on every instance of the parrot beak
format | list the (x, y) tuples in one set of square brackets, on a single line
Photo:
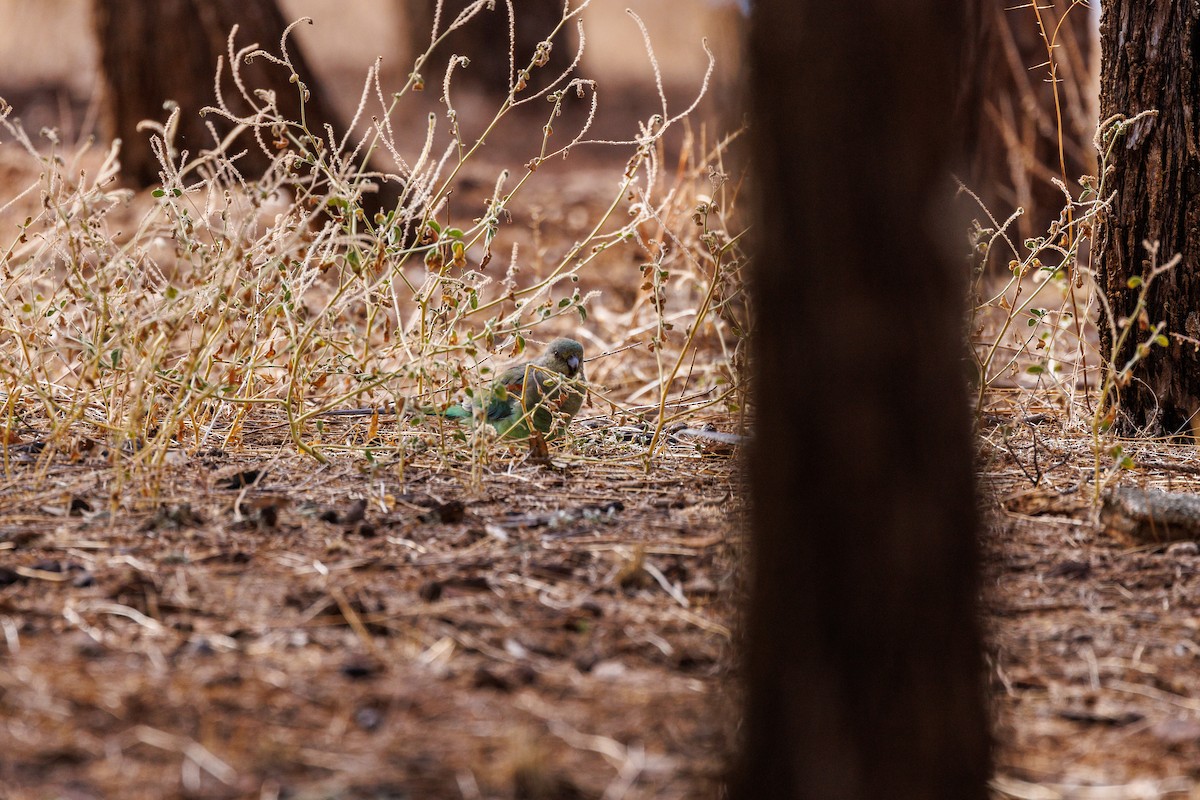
[(573, 363)]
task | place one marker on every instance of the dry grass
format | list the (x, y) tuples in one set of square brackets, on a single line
[(181, 325), (212, 588)]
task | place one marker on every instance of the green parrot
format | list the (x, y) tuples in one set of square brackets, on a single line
[(542, 392)]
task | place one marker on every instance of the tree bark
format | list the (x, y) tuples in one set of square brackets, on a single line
[(1148, 61), (152, 51), (485, 41), (863, 653)]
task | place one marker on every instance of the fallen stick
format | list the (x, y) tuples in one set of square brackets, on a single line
[(1143, 516)]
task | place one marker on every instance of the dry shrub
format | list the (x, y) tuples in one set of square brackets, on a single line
[(181, 321)]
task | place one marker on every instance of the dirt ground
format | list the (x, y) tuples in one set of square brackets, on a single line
[(560, 631), (1093, 642)]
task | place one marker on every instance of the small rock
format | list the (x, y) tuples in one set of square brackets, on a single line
[(368, 718), (356, 512)]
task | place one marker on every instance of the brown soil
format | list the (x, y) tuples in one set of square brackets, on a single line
[(1093, 653), (338, 631)]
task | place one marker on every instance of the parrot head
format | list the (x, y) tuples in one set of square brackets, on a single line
[(564, 356)]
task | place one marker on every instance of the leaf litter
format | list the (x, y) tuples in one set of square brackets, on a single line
[(325, 630)]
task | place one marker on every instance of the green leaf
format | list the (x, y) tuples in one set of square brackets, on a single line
[(1035, 369), (159, 193), (1161, 340), (1134, 282), (454, 233)]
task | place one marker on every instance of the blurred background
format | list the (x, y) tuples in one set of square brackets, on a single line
[(49, 56), (49, 72)]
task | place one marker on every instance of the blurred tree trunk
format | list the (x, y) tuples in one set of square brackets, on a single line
[(1012, 116), (1149, 61), (863, 662), (485, 41), (152, 51)]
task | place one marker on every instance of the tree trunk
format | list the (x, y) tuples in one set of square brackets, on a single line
[(1148, 61), (152, 51), (863, 654), (485, 41)]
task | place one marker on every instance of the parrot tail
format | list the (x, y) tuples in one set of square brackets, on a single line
[(456, 411)]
